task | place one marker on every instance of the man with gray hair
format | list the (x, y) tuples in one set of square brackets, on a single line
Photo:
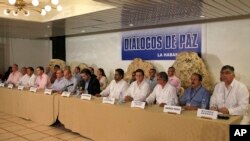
[(230, 96), (164, 93)]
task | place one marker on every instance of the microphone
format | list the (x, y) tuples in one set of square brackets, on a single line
[(66, 87), (69, 85)]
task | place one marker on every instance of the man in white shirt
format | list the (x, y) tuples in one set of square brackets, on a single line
[(152, 80), (117, 87), (230, 96), (172, 79), (28, 80), (60, 83), (14, 76), (139, 89), (23, 71), (163, 93)]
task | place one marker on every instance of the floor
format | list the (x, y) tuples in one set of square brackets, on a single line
[(17, 129)]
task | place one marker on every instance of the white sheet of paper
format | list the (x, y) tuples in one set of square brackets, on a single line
[(2, 84), (48, 91), (208, 114), (172, 109), (138, 104), (20, 88), (86, 96), (33, 89), (108, 100), (65, 94), (10, 86)]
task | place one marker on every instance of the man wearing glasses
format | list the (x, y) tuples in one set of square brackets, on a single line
[(230, 96)]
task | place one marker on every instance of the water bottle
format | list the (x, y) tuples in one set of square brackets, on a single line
[(203, 104), (120, 98), (173, 102)]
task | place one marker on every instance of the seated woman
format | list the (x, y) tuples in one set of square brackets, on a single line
[(101, 76)]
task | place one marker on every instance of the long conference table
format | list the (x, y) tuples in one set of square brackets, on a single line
[(37, 106), (106, 122)]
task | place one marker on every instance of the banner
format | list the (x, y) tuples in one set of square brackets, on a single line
[(161, 43)]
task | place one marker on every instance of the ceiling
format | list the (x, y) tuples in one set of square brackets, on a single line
[(83, 17)]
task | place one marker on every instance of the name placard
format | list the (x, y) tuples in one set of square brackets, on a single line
[(108, 100), (86, 96), (48, 91), (65, 94), (33, 89), (2, 84), (172, 109), (138, 104), (208, 114), (10, 86), (20, 88)]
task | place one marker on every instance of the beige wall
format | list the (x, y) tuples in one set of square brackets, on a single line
[(26, 52), (223, 43)]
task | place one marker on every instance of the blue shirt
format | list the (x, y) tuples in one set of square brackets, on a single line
[(194, 97)]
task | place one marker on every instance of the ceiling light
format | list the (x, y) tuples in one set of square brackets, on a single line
[(26, 7), (12, 2), (55, 2), (26, 13), (35, 2), (202, 16), (59, 8), (15, 13), (83, 31), (47, 8), (43, 12), (6, 11), (131, 24)]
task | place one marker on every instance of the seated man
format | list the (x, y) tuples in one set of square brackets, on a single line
[(53, 76), (70, 81), (139, 89), (14, 76), (42, 80), (60, 83), (117, 87), (172, 79), (28, 80), (152, 80), (163, 93), (77, 74), (89, 83), (23, 71), (230, 96), (132, 78), (195, 96)]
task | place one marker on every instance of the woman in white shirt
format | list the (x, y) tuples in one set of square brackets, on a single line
[(101, 76)]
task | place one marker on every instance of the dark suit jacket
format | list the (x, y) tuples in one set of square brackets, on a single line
[(93, 87)]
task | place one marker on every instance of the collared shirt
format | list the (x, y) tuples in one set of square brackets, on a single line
[(152, 83), (59, 84), (72, 81), (87, 85), (195, 96), (166, 94), (138, 92), (14, 77), (114, 89), (27, 81), (42, 81), (175, 81), (235, 98), (78, 77)]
